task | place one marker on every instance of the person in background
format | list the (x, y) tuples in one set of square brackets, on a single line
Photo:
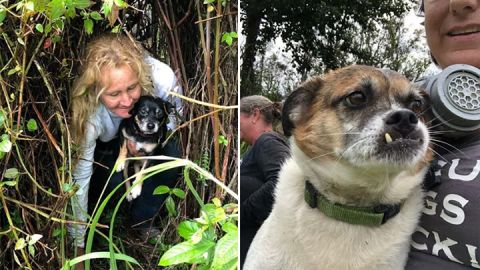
[(447, 236), (116, 71), (260, 164)]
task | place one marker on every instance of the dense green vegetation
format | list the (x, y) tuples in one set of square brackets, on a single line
[(40, 46)]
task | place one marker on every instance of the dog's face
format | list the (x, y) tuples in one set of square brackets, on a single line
[(151, 114), (361, 115)]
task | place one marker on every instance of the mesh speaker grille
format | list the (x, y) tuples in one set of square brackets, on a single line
[(464, 91)]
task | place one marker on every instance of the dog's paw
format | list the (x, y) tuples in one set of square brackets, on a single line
[(134, 193), (120, 164)]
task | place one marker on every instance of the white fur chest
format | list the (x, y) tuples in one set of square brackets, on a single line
[(296, 236), (145, 147)]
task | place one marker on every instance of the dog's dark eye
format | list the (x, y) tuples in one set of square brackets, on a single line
[(416, 106), (356, 99)]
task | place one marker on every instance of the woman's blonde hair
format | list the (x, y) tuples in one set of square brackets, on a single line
[(107, 51)]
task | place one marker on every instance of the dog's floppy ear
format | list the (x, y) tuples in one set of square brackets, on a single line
[(168, 107), (165, 105), (297, 104), (134, 110)]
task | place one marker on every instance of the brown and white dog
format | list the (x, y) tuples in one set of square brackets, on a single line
[(350, 196)]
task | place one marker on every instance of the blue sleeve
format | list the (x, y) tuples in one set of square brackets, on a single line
[(81, 176)]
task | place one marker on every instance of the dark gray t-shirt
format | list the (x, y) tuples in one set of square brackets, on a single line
[(448, 235)]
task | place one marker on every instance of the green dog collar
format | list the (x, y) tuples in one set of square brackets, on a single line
[(368, 216)]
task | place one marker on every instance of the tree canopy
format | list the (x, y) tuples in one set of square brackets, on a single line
[(319, 34)]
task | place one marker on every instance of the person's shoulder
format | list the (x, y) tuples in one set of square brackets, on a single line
[(272, 137), (96, 120), (158, 67)]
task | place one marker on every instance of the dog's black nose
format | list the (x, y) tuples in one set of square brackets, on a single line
[(403, 121), (150, 126)]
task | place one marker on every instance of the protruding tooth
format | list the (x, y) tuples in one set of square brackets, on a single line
[(388, 138)]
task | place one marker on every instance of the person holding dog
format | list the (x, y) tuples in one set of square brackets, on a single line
[(116, 71), (447, 235), (260, 164)]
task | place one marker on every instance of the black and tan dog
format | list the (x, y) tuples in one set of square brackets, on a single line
[(349, 197), (144, 131)]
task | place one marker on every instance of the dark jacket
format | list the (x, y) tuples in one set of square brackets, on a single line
[(258, 177), (447, 235)]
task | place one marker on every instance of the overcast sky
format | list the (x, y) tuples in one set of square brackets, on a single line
[(412, 22)]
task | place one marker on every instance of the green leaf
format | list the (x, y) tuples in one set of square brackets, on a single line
[(203, 267), (116, 29), (34, 238), (98, 255), (55, 39), (56, 8), (31, 250), (59, 24), (48, 28), (170, 204), (198, 235), (96, 16), (161, 190), (66, 187), (2, 118), (20, 244), (187, 228), (214, 214), (58, 232), (88, 25), (222, 140), (225, 251), (234, 34), (11, 173), (229, 227), (231, 207), (179, 193), (227, 38), (40, 5), (217, 202), (14, 70), (8, 183), (3, 14), (39, 27), (32, 125), (120, 3), (208, 1), (107, 7), (5, 146), (70, 13), (186, 252), (81, 4), (16, 258), (30, 6)]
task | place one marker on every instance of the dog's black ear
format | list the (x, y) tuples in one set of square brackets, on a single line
[(297, 104), (167, 106), (134, 110)]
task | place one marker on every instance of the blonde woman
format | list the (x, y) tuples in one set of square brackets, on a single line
[(116, 71)]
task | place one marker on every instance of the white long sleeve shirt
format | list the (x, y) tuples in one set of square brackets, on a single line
[(103, 125)]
